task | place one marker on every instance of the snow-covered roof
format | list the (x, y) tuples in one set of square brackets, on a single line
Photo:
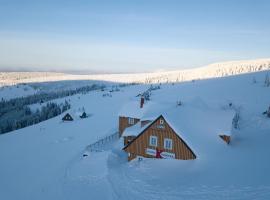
[(135, 130), (229, 133), (199, 127), (132, 109), (75, 113)]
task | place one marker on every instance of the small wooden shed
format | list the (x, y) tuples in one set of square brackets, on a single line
[(83, 115), (226, 138), (67, 117)]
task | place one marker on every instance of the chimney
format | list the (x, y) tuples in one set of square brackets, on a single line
[(142, 102)]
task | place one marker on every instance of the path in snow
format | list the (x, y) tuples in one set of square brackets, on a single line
[(87, 173), (135, 181)]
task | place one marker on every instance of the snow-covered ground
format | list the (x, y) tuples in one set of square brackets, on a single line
[(45, 161), (26, 83), (210, 71), (13, 78), (10, 92)]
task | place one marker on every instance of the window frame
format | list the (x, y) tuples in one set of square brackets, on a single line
[(131, 121), (150, 141), (171, 142)]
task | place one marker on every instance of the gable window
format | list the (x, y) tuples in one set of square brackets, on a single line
[(130, 120), (161, 124), (153, 141), (168, 143)]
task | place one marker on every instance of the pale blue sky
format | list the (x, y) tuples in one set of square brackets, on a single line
[(124, 36)]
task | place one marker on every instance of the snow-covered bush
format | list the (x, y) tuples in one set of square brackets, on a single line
[(254, 81), (267, 112), (235, 120), (179, 103), (267, 81)]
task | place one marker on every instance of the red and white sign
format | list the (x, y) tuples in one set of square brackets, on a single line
[(167, 155), (151, 152), (159, 153)]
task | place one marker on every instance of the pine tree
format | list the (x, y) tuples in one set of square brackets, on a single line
[(235, 121)]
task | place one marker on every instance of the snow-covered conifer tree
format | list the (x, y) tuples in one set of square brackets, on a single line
[(266, 81)]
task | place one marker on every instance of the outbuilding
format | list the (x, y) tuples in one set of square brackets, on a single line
[(67, 117)]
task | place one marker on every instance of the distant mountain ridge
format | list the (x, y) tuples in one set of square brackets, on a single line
[(210, 71)]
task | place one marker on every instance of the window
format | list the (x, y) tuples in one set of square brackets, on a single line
[(167, 143), (153, 141), (130, 120), (161, 124)]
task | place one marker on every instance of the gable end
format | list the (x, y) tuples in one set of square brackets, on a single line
[(158, 128)]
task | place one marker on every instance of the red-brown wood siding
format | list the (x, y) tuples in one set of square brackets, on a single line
[(139, 145), (128, 139), (226, 138), (123, 123)]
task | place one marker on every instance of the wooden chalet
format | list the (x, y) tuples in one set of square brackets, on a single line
[(67, 117), (171, 134), (156, 139)]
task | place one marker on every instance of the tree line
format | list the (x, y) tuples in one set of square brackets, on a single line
[(16, 113), (24, 117)]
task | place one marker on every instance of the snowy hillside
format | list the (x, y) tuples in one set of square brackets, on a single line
[(45, 161), (211, 71), (12, 78), (10, 92)]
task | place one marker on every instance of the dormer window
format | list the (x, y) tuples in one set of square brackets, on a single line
[(130, 121)]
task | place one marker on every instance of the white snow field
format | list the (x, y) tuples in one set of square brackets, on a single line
[(10, 92), (46, 161), (17, 84), (210, 71)]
